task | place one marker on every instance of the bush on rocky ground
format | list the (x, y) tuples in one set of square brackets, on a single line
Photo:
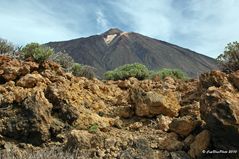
[(93, 128), (9, 49), (136, 70), (229, 59), (76, 69), (36, 52), (174, 73), (141, 72), (5, 46), (88, 72), (83, 71), (64, 59)]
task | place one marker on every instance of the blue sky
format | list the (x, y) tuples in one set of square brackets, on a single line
[(204, 26)]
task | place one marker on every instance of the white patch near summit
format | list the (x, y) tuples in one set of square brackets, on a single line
[(109, 38)]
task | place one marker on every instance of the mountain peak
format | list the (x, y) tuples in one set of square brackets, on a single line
[(115, 47), (111, 34), (113, 31)]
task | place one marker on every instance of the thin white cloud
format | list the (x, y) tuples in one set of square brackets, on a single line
[(101, 20), (149, 18), (216, 25), (203, 26)]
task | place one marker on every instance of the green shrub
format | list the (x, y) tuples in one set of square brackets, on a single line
[(64, 59), (136, 70), (6, 46), (109, 75), (88, 72), (229, 60), (76, 68), (37, 52), (83, 71), (93, 128), (174, 73)]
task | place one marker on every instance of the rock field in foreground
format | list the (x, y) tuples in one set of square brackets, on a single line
[(42, 107)]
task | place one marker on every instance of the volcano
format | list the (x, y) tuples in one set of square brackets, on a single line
[(114, 48)]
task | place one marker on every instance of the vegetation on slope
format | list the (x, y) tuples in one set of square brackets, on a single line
[(174, 73), (229, 59), (40, 53), (131, 47), (136, 70), (83, 71), (36, 52), (64, 59), (141, 72), (5, 46)]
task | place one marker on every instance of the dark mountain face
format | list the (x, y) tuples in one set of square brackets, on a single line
[(115, 48)]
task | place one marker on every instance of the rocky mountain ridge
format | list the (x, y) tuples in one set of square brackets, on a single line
[(42, 107), (115, 48)]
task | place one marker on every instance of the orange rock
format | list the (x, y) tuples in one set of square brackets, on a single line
[(184, 125), (200, 144), (31, 80), (152, 103)]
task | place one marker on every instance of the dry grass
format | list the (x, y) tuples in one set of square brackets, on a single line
[(52, 153)]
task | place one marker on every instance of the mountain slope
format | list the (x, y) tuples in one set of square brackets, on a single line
[(114, 48)]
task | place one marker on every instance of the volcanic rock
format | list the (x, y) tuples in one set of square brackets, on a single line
[(200, 143), (41, 106), (184, 125), (163, 122), (152, 103), (29, 121), (220, 110), (234, 77), (31, 80)]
